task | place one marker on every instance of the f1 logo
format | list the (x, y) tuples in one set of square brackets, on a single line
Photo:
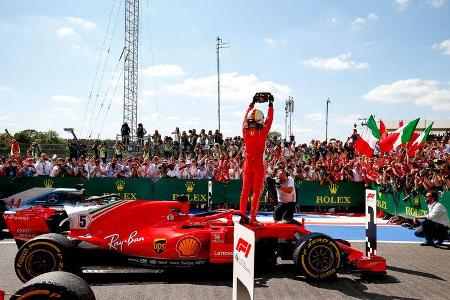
[(243, 246), (370, 196)]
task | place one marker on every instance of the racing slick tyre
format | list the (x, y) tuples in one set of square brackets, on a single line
[(55, 285), (317, 256), (42, 254)]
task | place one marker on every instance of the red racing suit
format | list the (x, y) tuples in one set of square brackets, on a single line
[(254, 169)]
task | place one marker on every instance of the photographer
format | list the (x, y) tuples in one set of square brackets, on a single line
[(140, 132), (125, 133), (28, 169), (43, 167), (435, 224), (285, 187), (60, 169)]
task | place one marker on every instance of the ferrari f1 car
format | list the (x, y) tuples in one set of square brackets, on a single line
[(162, 234), (43, 210)]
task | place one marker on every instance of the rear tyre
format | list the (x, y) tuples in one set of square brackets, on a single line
[(317, 256), (55, 285), (42, 254)]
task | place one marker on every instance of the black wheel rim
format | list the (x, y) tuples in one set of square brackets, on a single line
[(40, 261), (320, 258)]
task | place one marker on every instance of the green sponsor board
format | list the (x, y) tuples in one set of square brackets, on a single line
[(386, 199), (397, 202), (170, 188), (24, 183), (312, 193), (412, 206), (228, 193), (128, 188)]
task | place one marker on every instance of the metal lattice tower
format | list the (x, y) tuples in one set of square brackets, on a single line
[(131, 64)]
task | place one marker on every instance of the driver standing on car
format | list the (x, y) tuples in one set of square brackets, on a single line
[(255, 131)]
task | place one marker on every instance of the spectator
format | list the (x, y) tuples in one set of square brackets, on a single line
[(96, 148), (35, 150), (11, 167), (15, 148), (43, 166), (83, 148), (125, 133), (140, 132), (97, 170), (73, 149), (176, 142), (358, 174), (60, 169), (103, 152), (146, 151), (119, 148)]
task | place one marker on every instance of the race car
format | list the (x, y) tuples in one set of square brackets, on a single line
[(162, 234), (53, 197), (43, 210)]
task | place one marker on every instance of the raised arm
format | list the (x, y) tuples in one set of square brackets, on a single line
[(244, 123), (269, 119)]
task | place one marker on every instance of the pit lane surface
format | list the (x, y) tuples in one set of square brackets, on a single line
[(414, 272)]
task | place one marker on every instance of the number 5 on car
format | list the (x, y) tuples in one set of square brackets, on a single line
[(80, 221)]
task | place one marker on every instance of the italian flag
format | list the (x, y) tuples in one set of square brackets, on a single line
[(383, 131), (399, 137), (420, 141), (365, 144)]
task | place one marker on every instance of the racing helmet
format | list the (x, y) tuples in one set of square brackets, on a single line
[(255, 116)]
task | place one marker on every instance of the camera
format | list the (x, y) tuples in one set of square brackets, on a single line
[(411, 195), (262, 97), (277, 181)]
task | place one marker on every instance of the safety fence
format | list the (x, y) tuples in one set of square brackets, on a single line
[(309, 193)]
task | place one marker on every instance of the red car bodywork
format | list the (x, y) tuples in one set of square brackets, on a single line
[(162, 233), (28, 223)]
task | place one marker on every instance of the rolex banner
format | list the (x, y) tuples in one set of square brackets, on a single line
[(128, 188), (343, 193)]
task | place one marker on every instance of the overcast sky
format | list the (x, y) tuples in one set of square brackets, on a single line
[(388, 58)]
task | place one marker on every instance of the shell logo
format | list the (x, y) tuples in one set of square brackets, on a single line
[(188, 246)]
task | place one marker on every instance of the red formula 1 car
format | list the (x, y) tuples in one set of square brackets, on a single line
[(158, 234)]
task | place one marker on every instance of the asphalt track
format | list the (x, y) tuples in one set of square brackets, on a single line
[(414, 272)]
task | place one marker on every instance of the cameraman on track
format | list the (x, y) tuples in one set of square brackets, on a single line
[(286, 197)]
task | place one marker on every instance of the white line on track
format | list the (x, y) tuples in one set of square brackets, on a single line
[(7, 242)]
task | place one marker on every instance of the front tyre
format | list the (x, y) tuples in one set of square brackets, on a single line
[(317, 256), (55, 285), (45, 253)]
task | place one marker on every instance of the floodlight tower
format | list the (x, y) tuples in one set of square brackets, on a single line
[(130, 66)]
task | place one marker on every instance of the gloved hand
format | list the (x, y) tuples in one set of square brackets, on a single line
[(254, 100), (271, 100)]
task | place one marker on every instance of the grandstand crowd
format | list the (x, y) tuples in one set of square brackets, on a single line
[(207, 155)]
